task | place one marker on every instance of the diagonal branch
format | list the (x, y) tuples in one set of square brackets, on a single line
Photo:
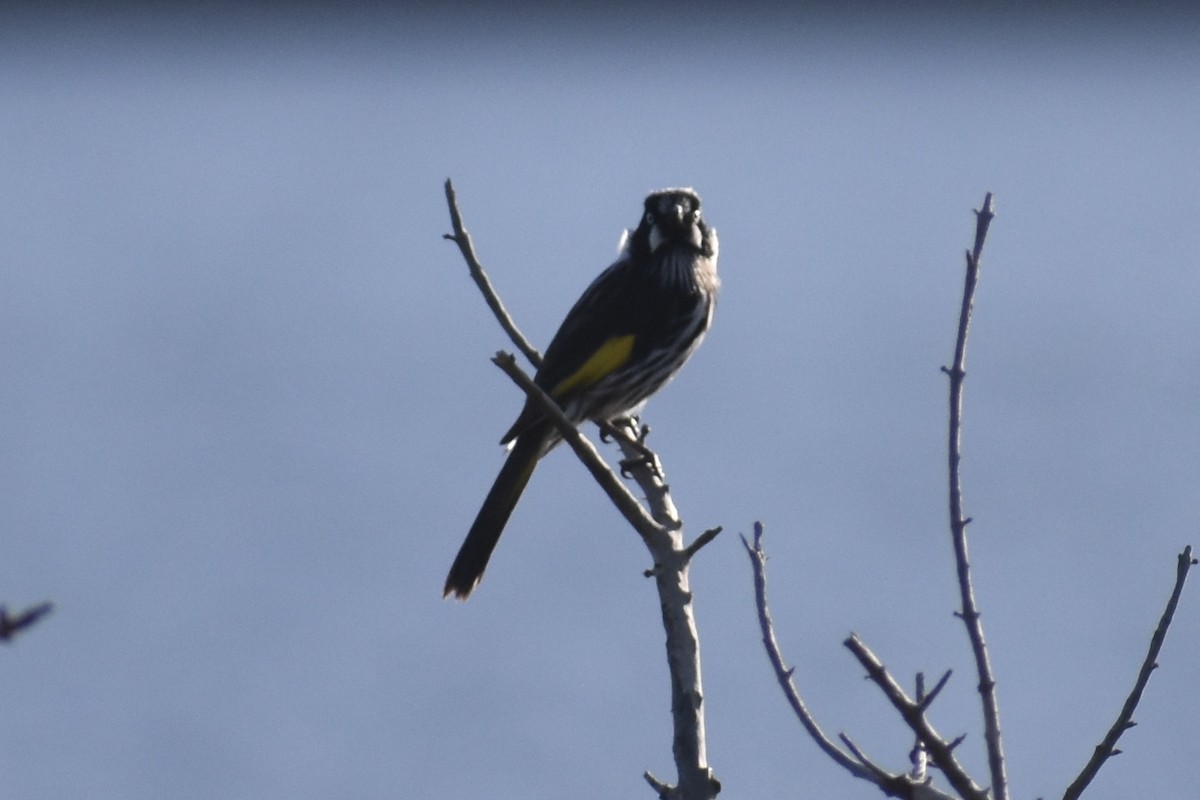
[(621, 497), (11, 625), (941, 751), (958, 522), (855, 762), (1108, 747), (462, 238)]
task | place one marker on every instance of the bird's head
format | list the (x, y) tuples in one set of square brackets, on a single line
[(672, 217)]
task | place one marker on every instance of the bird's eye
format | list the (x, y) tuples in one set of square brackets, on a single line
[(649, 220)]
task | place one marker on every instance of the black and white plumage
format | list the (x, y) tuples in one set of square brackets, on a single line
[(628, 334)]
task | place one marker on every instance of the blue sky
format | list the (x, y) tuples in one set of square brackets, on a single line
[(249, 412)]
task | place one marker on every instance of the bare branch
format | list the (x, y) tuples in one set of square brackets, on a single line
[(462, 238), (622, 498), (663, 789), (939, 749), (879, 775), (11, 625), (855, 762), (958, 522), (758, 561), (926, 700), (1108, 747), (701, 540)]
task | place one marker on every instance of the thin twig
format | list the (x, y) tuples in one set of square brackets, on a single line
[(462, 238), (855, 762), (11, 625), (1108, 747), (758, 561), (926, 700), (958, 522), (878, 774), (701, 540), (939, 749), (663, 789)]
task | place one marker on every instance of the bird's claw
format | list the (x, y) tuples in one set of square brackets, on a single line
[(644, 460)]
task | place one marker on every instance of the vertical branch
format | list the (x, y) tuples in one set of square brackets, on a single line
[(696, 779), (671, 567), (958, 522)]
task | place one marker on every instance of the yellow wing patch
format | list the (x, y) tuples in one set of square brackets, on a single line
[(610, 356)]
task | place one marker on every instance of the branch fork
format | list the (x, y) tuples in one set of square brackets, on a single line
[(929, 744)]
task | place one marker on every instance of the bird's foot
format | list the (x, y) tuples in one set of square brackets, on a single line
[(645, 456)]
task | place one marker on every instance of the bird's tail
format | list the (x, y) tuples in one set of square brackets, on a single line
[(472, 558)]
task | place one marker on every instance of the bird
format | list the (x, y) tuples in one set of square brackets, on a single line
[(625, 338)]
